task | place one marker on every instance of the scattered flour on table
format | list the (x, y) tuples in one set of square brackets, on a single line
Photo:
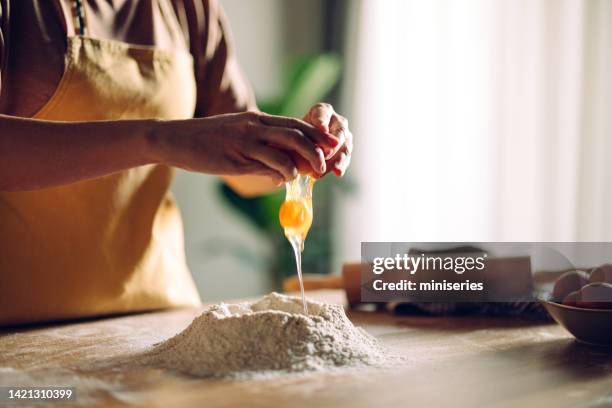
[(267, 337)]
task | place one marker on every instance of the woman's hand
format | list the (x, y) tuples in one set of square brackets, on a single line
[(323, 116), (245, 143)]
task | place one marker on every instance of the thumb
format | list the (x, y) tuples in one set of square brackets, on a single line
[(320, 115)]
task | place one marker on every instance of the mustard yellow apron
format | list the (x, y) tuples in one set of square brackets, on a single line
[(112, 244)]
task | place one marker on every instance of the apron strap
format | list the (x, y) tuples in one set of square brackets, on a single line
[(79, 17)]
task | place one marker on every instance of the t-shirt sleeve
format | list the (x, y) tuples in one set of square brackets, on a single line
[(221, 85)]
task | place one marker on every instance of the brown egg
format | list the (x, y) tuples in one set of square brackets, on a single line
[(596, 296), (572, 299), (602, 273), (569, 282)]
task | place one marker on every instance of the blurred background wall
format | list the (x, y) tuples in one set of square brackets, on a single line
[(482, 120)]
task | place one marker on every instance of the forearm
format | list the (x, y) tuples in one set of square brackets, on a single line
[(38, 154)]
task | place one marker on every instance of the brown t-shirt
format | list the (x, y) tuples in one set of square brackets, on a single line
[(33, 43)]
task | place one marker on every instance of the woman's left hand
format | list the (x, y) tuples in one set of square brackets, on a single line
[(323, 116)]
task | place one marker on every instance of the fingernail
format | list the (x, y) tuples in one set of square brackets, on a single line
[(323, 166), (320, 153)]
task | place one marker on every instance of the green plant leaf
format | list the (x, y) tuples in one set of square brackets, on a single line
[(273, 107), (309, 80), (260, 211)]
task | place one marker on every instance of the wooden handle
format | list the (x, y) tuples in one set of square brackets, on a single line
[(351, 272)]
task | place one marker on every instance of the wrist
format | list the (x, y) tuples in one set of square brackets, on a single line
[(156, 136)]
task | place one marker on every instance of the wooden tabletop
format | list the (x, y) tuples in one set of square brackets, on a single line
[(455, 361)]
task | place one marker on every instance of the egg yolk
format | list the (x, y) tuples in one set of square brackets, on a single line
[(294, 214)]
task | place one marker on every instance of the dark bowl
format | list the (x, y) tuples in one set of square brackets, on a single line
[(593, 326)]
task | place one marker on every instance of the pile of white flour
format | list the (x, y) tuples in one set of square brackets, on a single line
[(267, 337)]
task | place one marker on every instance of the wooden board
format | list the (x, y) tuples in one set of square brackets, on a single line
[(458, 361)]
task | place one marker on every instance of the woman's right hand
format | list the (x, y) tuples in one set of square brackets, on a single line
[(244, 143)]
